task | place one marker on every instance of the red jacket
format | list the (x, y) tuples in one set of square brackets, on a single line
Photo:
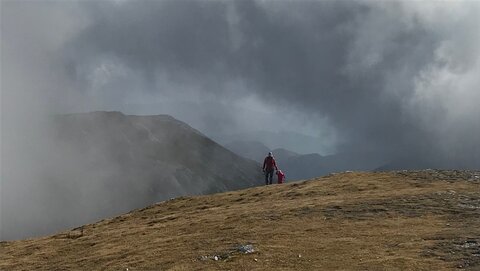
[(269, 163)]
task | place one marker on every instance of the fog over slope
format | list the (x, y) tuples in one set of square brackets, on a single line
[(397, 80), (102, 164)]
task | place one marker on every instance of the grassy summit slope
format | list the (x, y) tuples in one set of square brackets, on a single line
[(421, 220)]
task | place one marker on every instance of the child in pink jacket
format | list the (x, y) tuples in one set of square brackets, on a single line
[(280, 176)]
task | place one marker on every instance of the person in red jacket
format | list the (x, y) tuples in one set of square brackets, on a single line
[(269, 165)]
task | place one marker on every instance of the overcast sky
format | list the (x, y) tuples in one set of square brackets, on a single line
[(400, 77)]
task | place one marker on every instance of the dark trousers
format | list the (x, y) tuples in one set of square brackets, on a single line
[(268, 176)]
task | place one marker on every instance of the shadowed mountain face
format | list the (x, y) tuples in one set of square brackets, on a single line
[(105, 163), (249, 149), (284, 155), (159, 152), (257, 151)]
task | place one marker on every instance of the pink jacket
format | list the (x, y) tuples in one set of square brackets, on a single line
[(280, 176)]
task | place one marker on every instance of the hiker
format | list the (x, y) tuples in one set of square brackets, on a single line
[(280, 176), (269, 165)]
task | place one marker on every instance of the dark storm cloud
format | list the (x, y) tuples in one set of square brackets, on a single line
[(357, 63), (179, 36)]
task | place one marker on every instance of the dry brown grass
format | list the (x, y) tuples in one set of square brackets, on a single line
[(349, 221)]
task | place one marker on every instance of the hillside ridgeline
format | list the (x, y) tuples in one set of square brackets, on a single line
[(403, 220)]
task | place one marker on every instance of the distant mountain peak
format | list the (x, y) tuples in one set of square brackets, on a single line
[(254, 150), (284, 152)]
